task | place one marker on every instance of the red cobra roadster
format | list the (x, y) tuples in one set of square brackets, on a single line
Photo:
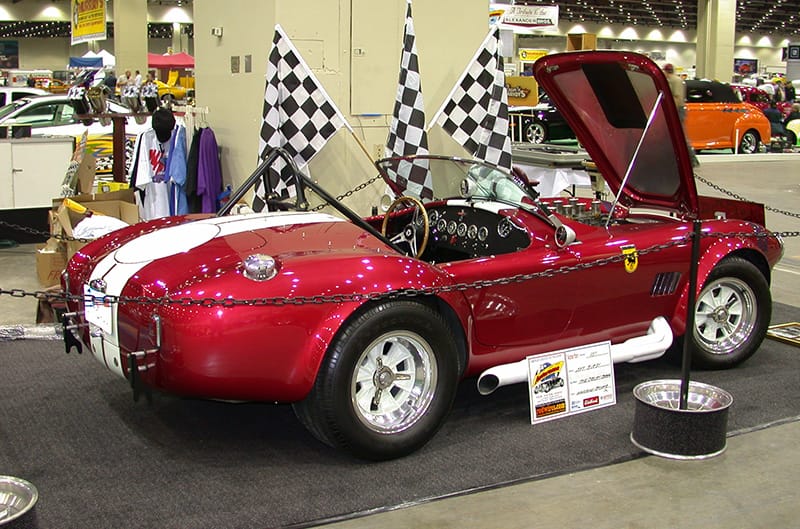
[(366, 325)]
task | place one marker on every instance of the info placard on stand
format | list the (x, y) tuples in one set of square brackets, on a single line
[(570, 381)]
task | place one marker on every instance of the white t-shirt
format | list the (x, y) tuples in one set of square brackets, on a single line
[(151, 176)]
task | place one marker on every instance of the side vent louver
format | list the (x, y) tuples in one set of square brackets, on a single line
[(665, 283)]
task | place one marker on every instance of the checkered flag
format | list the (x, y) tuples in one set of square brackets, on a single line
[(298, 116), (407, 136), (476, 112)]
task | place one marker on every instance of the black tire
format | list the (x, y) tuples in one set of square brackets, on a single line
[(384, 410), (732, 313), (749, 142), (791, 138), (536, 132)]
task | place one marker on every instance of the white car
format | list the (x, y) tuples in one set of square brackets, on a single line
[(9, 94), (52, 115)]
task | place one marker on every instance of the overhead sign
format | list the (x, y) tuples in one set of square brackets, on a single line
[(530, 54), (524, 18), (88, 20)]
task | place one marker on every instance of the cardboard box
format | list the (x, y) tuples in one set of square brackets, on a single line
[(50, 310), (118, 204), (51, 259)]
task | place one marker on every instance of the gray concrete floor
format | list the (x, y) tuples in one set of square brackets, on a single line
[(754, 484)]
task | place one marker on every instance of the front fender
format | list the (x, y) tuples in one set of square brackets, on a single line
[(719, 249), (425, 277)]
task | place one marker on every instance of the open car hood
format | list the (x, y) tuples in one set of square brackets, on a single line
[(620, 107)]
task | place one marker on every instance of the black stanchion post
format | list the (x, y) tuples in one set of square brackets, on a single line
[(686, 363)]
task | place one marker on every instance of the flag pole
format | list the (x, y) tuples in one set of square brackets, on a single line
[(363, 147)]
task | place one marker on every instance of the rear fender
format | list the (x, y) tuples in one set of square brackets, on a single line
[(453, 307)]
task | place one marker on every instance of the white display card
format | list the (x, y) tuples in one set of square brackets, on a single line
[(571, 381)]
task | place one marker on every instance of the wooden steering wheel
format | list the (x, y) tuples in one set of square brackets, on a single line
[(410, 234)]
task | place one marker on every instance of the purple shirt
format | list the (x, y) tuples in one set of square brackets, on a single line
[(209, 172)]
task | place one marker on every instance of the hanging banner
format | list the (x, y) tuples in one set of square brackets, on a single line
[(88, 20), (522, 91), (524, 18)]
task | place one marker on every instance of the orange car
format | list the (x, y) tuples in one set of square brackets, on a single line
[(717, 119)]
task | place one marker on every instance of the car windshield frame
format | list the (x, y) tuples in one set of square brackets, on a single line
[(487, 183), (451, 177)]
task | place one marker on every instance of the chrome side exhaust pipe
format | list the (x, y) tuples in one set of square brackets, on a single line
[(639, 349)]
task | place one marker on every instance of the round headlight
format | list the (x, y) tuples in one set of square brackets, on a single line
[(260, 267)]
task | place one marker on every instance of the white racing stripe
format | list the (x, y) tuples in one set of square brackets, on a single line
[(119, 266)]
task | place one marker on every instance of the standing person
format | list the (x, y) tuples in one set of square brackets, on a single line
[(124, 80), (769, 88), (790, 91), (110, 82), (678, 89), (137, 80)]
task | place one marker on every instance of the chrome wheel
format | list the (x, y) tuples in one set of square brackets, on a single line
[(386, 383), (749, 143), (725, 315), (393, 383), (536, 132)]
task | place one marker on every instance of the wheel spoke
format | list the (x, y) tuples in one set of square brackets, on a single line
[(397, 354), (405, 382), (389, 404), (709, 331), (364, 397)]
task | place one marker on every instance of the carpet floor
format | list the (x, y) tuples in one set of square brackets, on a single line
[(100, 460)]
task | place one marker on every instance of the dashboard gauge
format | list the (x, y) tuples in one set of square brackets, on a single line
[(462, 229), (504, 228), (483, 233), (451, 227), (472, 231), (441, 225), (433, 216)]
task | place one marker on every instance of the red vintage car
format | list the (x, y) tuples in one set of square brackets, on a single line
[(759, 98), (367, 325)]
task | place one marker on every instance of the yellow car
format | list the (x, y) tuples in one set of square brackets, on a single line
[(170, 92)]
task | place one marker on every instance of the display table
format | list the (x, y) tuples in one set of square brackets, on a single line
[(556, 168)]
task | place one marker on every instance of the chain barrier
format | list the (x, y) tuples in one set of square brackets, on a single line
[(208, 302), (340, 298), (41, 233), (731, 194), (394, 294), (350, 193)]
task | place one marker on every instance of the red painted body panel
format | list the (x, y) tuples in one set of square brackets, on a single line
[(265, 351), (273, 352)]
